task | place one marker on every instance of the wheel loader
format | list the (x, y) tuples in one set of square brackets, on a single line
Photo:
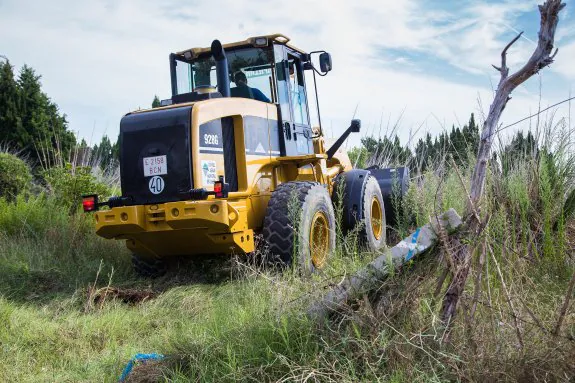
[(217, 165)]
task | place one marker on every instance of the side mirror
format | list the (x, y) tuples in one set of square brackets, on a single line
[(355, 126), (325, 62)]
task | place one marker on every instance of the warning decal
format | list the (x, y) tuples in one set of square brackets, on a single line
[(209, 174), (260, 149)]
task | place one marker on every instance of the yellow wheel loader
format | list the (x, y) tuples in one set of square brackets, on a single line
[(217, 164)]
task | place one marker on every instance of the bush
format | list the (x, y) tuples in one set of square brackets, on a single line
[(69, 183), (15, 176)]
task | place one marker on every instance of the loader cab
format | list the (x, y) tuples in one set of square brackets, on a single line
[(275, 72), (295, 127)]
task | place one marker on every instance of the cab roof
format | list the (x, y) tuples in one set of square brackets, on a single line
[(251, 41)]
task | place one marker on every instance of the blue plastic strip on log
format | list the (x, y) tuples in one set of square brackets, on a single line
[(413, 245), (137, 358)]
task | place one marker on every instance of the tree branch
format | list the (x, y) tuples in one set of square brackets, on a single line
[(541, 57), (565, 306), (504, 69)]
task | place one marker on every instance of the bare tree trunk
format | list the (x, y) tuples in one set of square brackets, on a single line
[(542, 56), (565, 306)]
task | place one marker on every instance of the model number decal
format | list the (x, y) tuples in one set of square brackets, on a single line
[(211, 139)]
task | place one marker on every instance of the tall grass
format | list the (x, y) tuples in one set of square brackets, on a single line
[(80, 159), (230, 320)]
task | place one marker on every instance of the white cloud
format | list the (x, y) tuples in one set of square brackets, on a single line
[(565, 61), (101, 59)]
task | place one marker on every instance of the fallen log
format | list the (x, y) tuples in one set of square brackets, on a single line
[(369, 277)]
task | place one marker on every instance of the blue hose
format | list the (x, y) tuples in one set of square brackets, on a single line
[(137, 358)]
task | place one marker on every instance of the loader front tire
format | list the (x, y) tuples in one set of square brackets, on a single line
[(362, 206), (299, 225), (148, 267)]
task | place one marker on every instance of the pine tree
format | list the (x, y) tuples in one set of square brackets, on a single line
[(473, 135), (34, 133), (386, 152), (424, 154), (29, 121), (10, 121), (156, 103), (116, 150), (521, 148), (430, 149), (103, 153)]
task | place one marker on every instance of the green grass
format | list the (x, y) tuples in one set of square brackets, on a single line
[(227, 320), (217, 320)]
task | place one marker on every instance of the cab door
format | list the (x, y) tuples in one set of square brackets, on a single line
[(295, 131)]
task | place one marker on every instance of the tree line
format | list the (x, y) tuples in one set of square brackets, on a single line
[(460, 143), (32, 124)]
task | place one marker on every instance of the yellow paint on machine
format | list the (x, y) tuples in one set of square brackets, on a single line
[(192, 227), (218, 225)]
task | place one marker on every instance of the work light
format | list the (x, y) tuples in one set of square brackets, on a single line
[(90, 203), (221, 189), (261, 42)]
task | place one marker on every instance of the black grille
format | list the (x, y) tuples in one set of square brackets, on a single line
[(153, 134)]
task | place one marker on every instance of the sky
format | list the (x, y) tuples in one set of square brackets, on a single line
[(422, 65)]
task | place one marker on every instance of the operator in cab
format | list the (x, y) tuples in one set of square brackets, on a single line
[(243, 90)]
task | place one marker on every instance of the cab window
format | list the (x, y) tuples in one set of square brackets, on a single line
[(200, 73), (297, 91), (250, 71)]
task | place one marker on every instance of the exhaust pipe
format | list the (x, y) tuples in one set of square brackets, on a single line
[(222, 72)]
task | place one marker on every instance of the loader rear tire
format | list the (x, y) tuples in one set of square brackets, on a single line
[(148, 267), (299, 226)]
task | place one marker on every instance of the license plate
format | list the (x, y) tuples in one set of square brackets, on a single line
[(155, 166)]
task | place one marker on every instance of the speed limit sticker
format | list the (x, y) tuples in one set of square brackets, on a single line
[(156, 184)]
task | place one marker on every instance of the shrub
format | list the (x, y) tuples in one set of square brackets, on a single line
[(31, 216), (68, 183), (15, 176)]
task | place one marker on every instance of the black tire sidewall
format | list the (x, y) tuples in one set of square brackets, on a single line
[(372, 190), (148, 267)]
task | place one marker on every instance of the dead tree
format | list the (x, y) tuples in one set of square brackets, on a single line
[(541, 57)]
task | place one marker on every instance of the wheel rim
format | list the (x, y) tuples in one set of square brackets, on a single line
[(376, 218), (319, 239)]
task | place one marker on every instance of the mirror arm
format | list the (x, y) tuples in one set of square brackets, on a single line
[(309, 64), (354, 127), (317, 105)]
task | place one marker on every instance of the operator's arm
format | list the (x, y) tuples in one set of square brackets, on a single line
[(258, 95)]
